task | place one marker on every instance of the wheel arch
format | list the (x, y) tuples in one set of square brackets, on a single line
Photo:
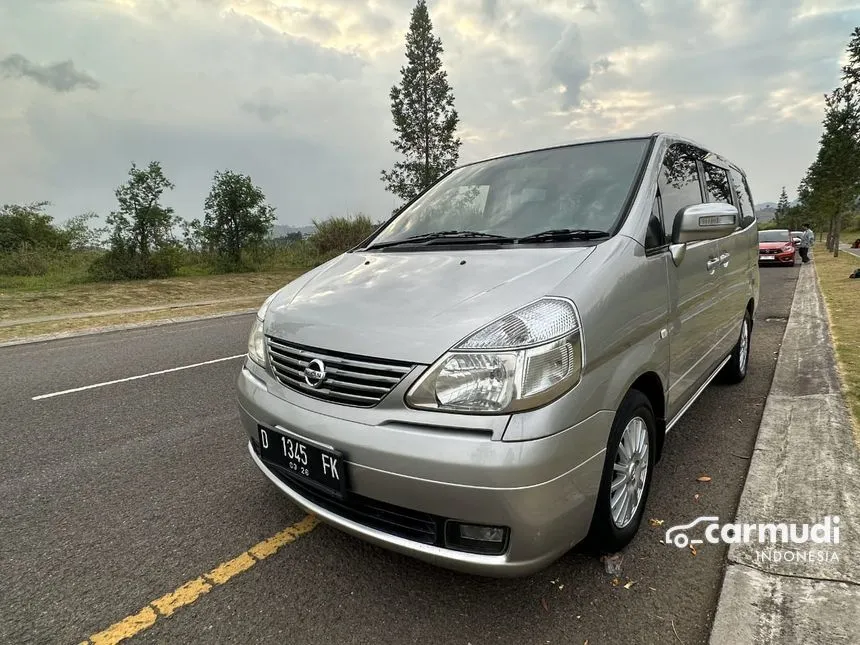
[(651, 386)]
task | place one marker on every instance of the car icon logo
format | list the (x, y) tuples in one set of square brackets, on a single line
[(677, 534), (315, 373)]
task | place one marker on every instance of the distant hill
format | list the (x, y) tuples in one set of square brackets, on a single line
[(765, 212)]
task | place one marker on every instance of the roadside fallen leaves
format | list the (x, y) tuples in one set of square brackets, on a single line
[(693, 550), (629, 584), (543, 602), (703, 478), (654, 522)]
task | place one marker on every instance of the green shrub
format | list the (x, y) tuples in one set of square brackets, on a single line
[(123, 265), (338, 234), (25, 261)]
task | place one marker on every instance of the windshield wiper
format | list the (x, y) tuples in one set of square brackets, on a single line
[(460, 236), (563, 234)]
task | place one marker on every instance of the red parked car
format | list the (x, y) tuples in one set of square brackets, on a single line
[(776, 247)]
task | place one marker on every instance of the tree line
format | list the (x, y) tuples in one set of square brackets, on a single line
[(144, 238), (829, 193)]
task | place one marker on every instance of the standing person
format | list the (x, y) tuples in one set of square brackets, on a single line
[(807, 239)]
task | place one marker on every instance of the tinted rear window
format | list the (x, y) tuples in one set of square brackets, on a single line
[(773, 236)]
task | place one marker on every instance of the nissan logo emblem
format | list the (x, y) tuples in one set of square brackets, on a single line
[(315, 373)]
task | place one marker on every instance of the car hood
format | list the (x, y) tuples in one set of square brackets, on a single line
[(413, 306), (772, 245)]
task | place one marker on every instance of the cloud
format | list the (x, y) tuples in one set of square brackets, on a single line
[(265, 106), (601, 65), (567, 66), (60, 77)]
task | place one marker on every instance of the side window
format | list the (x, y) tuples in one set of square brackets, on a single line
[(745, 203), (655, 236), (717, 184), (678, 183)]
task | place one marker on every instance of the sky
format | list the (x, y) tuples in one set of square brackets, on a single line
[(295, 93)]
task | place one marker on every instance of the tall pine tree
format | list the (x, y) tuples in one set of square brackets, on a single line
[(782, 208), (422, 107)]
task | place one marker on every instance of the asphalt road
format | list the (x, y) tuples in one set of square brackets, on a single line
[(117, 495)]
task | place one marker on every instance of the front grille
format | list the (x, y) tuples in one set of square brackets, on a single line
[(350, 380), (394, 520)]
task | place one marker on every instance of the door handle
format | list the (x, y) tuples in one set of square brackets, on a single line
[(724, 259), (712, 264)]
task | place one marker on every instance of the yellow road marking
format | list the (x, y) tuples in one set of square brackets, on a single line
[(126, 628), (185, 595), (222, 573), (267, 547), (192, 590)]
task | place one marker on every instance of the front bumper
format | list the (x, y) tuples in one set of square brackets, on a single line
[(543, 490), (778, 258)]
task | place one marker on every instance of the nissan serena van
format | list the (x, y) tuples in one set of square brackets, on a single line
[(490, 377)]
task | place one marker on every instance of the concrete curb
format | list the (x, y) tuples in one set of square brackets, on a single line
[(122, 327), (805, 466)]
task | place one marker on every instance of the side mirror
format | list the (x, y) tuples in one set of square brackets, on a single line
[(701, 222)]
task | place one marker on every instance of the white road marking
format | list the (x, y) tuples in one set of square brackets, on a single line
[(134, 378)]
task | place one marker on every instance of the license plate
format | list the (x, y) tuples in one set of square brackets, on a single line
[(767, 257), (323, 468)]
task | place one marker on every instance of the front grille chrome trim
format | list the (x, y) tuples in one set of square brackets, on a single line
[(350, 380)]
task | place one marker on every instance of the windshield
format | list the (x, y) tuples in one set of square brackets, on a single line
[(773, 236), (582, 186)]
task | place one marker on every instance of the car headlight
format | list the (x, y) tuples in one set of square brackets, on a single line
[(256, 339), (520, 361)]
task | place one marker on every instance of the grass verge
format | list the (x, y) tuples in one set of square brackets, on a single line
[(847, 236), (34, 330), (841, 295), (96, 304)]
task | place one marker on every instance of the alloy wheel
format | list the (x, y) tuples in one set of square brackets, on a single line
[(630, 472)]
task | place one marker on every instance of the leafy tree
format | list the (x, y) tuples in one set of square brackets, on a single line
[(142, 244), (80, 234), (29, 226), (237, 217), (142, 224), (422, 107), (782, 208)]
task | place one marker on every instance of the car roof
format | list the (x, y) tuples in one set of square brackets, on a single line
[(657, 137)]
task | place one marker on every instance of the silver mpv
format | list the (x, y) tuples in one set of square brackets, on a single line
[(489, 378)]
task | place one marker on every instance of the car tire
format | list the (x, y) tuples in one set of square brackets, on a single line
[(611, 532), (736, 369)]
